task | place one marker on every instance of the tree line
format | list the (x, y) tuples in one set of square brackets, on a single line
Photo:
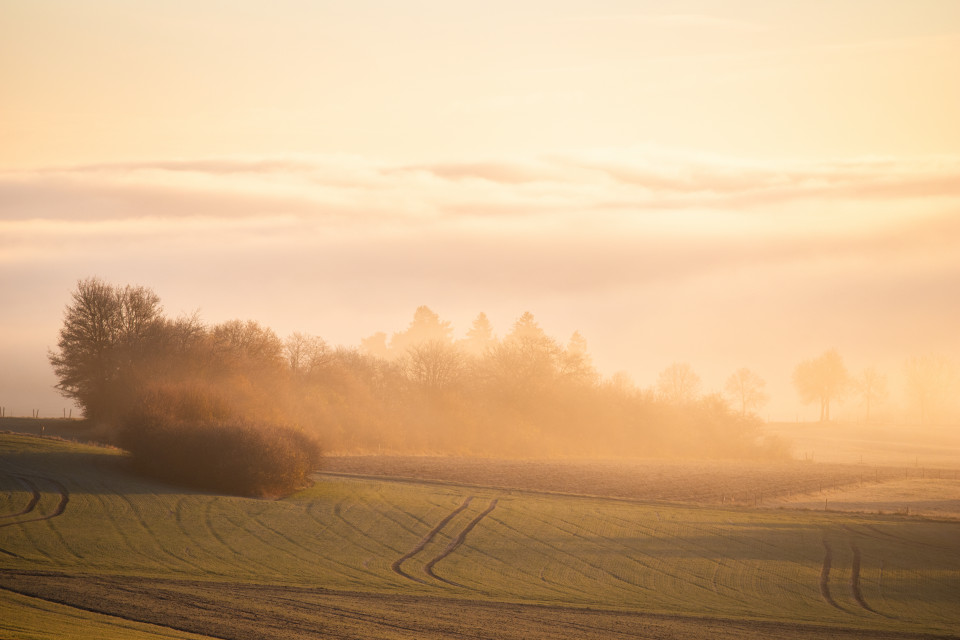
[(172, 389), (931, 383)]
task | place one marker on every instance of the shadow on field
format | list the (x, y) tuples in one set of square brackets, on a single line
[(83, 472)]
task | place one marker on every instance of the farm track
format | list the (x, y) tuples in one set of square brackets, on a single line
[(455, 544), (397, 565), (239, 611)]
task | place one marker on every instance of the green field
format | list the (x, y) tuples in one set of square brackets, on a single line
[(88, 550)]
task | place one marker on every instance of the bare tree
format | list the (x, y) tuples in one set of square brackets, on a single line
[(434, 365), (745, 388), (306, 353), (871, 386), (824, 378), (930, 381), (678, 383)]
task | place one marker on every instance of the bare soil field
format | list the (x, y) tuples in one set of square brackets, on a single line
[(700, 482), (264, 612)]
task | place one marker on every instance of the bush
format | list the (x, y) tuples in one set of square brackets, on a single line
[(191, 440)]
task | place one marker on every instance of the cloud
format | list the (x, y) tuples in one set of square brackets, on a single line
[(685, 21)]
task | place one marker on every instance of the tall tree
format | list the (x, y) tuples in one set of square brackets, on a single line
[(106, 331), (480, 336), (871, 387), (822, 379), (746, 390), (425, 327)]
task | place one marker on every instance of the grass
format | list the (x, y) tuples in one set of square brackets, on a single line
[(135, 551)]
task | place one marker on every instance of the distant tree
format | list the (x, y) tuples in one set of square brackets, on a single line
[(375, 345), (305, 353), (931, 379), (480, 336), (526, 360), (871, 387), (248, 346), (678, 384), (575, 363), (425, 327), (745, 389), (824, 378), (107, 330), (434, 365)]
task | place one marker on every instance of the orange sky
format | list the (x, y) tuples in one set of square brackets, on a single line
[(724, 183)]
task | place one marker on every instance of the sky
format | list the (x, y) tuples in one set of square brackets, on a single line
[(723, 183)]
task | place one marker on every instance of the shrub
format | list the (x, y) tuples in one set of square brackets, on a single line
[(193, 441)]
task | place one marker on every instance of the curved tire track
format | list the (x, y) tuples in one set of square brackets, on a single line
[(825, 575), (61, 506), (455, 544), (34, 499), (397, 565)]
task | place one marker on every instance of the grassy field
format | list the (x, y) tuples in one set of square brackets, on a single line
[(88, 550)]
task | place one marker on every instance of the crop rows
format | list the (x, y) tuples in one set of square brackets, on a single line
[(83, 515)]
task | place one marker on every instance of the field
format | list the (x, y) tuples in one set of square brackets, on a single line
[(476, 549)]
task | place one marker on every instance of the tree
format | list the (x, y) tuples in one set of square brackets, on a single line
[(678, 384), (745, 388), (480, 336), (247, 346), (871, 386), (305, 353), (824, 378), (107, 331), (425, 327), (575, 363), (434, 365), (930, 380), (525, 361)]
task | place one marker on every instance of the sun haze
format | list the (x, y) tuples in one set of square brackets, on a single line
[(730, 185)]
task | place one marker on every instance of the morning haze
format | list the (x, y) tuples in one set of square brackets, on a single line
[(601, 281)]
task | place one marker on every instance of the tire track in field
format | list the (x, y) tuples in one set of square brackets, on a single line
[(61, 505), (619, 581), (397, 565), (142, 522), (825, 576), (855, 581), (780, 580), (245, 559), (103, 612), (657, 567), (34, 499), (455, 544), (330, 560)]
